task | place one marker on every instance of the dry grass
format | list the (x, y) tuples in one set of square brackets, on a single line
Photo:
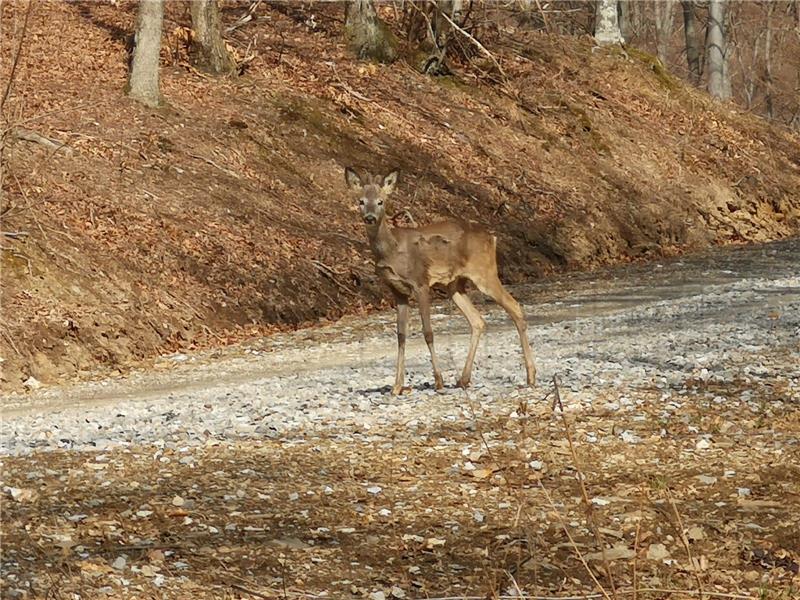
[(303, 518)]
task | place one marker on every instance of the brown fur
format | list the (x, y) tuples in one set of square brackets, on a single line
[(411, 260)]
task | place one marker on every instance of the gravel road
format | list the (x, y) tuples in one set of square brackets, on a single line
[(725, 317)]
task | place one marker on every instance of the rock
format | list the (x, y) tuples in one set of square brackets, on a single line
[(657, 552), (119, 563), (31, 383), (706, 480)]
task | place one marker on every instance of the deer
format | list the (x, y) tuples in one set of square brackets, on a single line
[(447, 255)]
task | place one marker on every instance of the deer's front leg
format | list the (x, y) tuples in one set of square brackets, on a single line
[(402, 330), (425, 313)]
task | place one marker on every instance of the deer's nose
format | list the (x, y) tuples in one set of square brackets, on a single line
[(370, 219)]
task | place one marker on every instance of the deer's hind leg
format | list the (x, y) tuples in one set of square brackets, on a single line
[(493, 288), (477, 324)]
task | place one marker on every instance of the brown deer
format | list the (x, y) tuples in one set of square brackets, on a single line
[(448, 254)]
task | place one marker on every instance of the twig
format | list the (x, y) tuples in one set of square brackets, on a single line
[(241, 588), (587, 503), (10, 341), (14, 235), (636, 541), (593, 596), (603, 593), (16, 56), (578, 553), (16, 254), (469, 36), (213, 164), (244, 19), (545, 20), (31, 136), (694, 567), (351, 91)]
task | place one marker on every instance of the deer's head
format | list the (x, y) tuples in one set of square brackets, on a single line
[(371, 192)]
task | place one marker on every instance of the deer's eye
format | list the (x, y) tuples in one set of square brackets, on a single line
[(380, 202), (363, 201)]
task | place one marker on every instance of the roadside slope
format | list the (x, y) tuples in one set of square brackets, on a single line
[(224, 214)]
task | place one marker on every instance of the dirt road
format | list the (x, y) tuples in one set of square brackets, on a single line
[(732, 314)]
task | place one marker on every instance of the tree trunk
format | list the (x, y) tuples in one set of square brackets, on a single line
[(768, 63), (692, 44), (664, 18), (368, 36), (606, 24), (624, 18), (143, 81), (208, 50), (716, 49)]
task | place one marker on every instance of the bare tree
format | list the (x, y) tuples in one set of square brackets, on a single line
[(770, 97), (368, 36), (664, 18), (691, 40), (208, 49), (606, 24), (143, 81), (719, 85), (624, 9)]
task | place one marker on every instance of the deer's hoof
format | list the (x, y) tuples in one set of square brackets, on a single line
[(400, 389), (439, 383), (463, 383)]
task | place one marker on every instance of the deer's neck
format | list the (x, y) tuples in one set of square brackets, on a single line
[(381, 240)]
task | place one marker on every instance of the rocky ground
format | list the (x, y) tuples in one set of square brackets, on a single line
[(285, 469)]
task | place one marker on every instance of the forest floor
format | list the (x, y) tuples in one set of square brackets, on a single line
[(282, 468), (223, 215)]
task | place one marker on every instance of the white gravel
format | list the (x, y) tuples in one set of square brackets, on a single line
[(609, 336)]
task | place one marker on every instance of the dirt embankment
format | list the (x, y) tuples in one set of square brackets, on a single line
[(224, 214)]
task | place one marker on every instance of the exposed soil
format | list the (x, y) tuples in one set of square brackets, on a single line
[(223, 215)]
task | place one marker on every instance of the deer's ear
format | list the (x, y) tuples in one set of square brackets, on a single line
[(389, 182), (352, 179)]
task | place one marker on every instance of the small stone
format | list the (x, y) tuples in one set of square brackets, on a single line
[(695, 534), (32, 383), (120, 563), (657, 552), (76, 518), (178, 501), (703, 444), (707, 480), (397, 592), (377, 596), (375, 489), (629, 437)]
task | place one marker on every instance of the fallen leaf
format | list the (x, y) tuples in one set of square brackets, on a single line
[(616, 552)]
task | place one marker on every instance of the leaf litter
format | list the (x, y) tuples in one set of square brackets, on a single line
[(388, 517)]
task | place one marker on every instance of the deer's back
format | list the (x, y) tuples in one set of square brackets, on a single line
[(447, 250)]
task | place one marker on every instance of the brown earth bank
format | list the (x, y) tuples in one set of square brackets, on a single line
[(224, 214)]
